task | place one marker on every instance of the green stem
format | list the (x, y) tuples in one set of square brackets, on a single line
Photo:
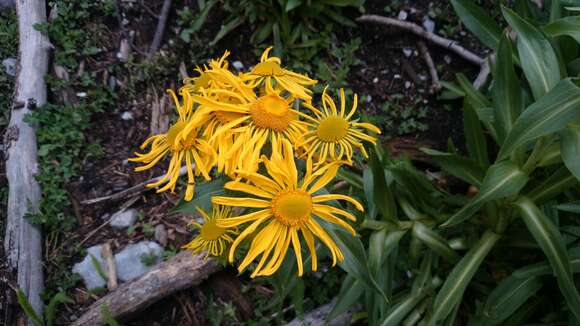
[(530, 164)]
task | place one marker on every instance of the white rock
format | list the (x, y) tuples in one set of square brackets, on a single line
[(130, 260), (124, 219), (407, 52), (81, 94), (9, 66), (375, 80), (86, 268), (161, 234), (127, 115), (403, 15), (238, 65), (447, 59), (369, 98), (397, 76), (407, 84), (428, 24)]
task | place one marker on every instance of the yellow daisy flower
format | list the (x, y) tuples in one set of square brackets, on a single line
[(269, 69), (204, 80), (333, 133), (286, 208), (211, 238), (199, 156), (269, 117)]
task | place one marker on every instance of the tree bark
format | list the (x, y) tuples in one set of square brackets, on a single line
[(178, 273), (23, 242)]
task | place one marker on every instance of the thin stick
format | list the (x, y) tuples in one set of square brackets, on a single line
[(107, 254), (419, 31), (160, 29), (484, 72), (435, 84), (133, 191)]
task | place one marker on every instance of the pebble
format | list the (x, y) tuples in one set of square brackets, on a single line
[(403, 15), (124, 219), (161, 234), (238, 65), (375, 80), (447, 59), (428, 24), (87, 270), (130, 260), (9, 66), (81, 94), (407, 52), (127, 115), (369, 98), (407, 84)]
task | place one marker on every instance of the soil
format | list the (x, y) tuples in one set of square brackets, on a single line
[(380, 76)]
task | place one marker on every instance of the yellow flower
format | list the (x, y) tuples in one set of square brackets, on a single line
[(268, 118), (269, 68), (286, 208), (199, 156), (333, 133), (205, 80), (211, 238)]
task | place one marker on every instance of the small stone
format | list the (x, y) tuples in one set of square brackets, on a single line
[(422, 77), (397, 76), (161, 234), (238, 65), (87, 270), (369, 98), (9, 66), (407, 84), (403, 15), (112, 83), (137, 259), (447, 59), (124, 219), (127, 115), (81, 94), (428, 24), (124, 51), (375, 80), (407, 52)]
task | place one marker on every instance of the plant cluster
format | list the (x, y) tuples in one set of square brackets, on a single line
[(249, 127), (505, 251)]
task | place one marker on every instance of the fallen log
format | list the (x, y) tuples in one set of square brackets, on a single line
[(178, 273), (318, 317), (23, 241)]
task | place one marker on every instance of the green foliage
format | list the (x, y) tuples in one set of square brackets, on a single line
[(49, 310), (400, 118), (507, 254), (9, 41), (108, 317), (295, 27)]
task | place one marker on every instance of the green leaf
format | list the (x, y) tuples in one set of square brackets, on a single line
[(509, 296), (565, 26), (543, 269), (351, 178), (506, 92), (552, 113), (350, 292), (452, 291), (400, 310), (550, 240), (226, 29), (503, 179), (573, 207), (382, 193), (474, 137), (343, 3), (27, 308), (57, 299), (201, 18), (538, 59), (435, 242), (107, 316), (461, 167), (478, 22), (552, 186), (570, 147), (291, 4), (202, 199)]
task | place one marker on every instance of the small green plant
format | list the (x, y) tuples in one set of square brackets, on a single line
[(149, 259), (401, 118), (108, 317), (97, 265), (49, 310)]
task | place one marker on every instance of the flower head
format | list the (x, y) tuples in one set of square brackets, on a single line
[(333, 133), (212, 238), (182, 146), (287, 208), (269, 70)]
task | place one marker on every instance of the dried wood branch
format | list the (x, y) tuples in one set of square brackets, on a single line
[(23, 241), (161, 23), (178, 273), (435, 84), (107, 254), (419, 31)]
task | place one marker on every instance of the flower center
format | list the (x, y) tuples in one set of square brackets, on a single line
[(226, 116), (268, 68), (210, 231), (172, 139), (332, 128), (292, 207), (271, 112)]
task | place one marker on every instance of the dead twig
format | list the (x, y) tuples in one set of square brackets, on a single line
[(419, 31), (107, 254), (133, 191), (435, 84), (158, 37), (484, 72)]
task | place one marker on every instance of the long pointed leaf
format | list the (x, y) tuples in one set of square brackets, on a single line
[(554, 185), (509, 296), (551, 113), (474, 137), (570, 147), (461, 167), (435, 242), (478, 22), (550, 240), (452, 291), (503, 179), (538, 58)]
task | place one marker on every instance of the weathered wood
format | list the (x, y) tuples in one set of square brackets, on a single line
[(178, 273), (318, 317), (23, 244)]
